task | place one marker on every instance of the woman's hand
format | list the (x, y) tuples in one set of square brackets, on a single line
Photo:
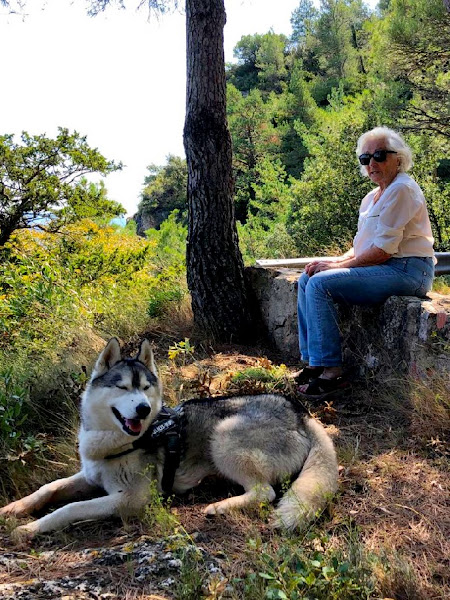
[(320, 265)]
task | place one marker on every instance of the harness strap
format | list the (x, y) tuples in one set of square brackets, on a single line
[(120, 453), (171, 460)]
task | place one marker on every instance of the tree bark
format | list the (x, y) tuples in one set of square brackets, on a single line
[(215, 270)]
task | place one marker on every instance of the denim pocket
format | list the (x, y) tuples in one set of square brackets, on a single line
[(417, 270), (422, 271)]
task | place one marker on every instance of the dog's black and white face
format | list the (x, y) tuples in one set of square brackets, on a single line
[(122, 393)]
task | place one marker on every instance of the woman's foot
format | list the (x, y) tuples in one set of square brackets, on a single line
[(321, 388), (331, 372), (306, 374), (320, 373)]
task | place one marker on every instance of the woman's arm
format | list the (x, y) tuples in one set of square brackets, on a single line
[(349, 254), (372, 256)]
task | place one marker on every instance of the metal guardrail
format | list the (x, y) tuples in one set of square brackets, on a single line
[(442, 267)]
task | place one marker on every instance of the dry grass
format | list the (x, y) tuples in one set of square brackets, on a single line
[(395, 485), (442, 284), (394, 489)]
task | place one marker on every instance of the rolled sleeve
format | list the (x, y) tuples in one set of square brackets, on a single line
[(394, 216)]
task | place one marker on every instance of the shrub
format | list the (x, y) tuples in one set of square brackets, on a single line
[(442, 284), (14, 410), (168, 287), (290, 572)]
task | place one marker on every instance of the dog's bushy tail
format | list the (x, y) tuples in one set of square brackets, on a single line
[(317, 482)]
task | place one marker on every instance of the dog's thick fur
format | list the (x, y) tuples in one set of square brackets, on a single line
[(255, 441)]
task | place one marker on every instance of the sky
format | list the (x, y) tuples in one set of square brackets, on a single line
[(118, 78)]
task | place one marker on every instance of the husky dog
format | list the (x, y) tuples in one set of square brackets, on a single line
[(256, 441)]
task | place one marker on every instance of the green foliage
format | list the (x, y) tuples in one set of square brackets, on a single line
[(289, 572), (256, 373), (325, 202), (414, 36), (303, 21), (262, 63), (31, 289), (271, 63), (165, 191), (169, 242), (264, 377), (337, 33), (257, 241), (164, 297), (254, 138), (429, 149), (266, 373), (192, 574), (331, 42), (168, 287), (14, 410), (88, 201), (38, 179), (300, 108), (264, 234), (271, 192)]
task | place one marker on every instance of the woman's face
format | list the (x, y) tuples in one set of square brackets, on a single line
[(382, 173)]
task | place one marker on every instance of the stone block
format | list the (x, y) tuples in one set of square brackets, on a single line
[(404, 334)]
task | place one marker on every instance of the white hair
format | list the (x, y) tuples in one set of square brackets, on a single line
[(393, 141)]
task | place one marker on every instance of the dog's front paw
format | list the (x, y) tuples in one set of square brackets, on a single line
[(24, 533), (14, 509)]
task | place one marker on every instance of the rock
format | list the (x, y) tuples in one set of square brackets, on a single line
[(150, 220), (404, 335), (148, 563)]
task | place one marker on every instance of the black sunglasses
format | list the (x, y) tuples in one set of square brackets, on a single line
[(378, 156)]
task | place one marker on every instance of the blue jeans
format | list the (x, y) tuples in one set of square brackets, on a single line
[(319, 337)]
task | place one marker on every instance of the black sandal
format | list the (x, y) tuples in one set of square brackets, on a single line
[(307, 374), (319, 388)]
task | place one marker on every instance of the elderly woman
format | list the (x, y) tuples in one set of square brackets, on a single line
[(392, 254)]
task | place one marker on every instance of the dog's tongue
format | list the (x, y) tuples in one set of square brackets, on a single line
[(133, 425)]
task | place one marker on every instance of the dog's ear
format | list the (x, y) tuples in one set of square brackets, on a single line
[(145, 356), (108, 358)]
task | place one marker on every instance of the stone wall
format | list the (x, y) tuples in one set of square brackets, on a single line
[(405, 334)]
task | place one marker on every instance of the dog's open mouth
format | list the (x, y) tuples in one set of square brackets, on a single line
[(130, 426)]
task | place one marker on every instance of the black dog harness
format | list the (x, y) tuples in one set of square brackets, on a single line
[(166, 431)]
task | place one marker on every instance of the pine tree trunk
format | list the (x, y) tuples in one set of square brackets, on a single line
[(214, 263)]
